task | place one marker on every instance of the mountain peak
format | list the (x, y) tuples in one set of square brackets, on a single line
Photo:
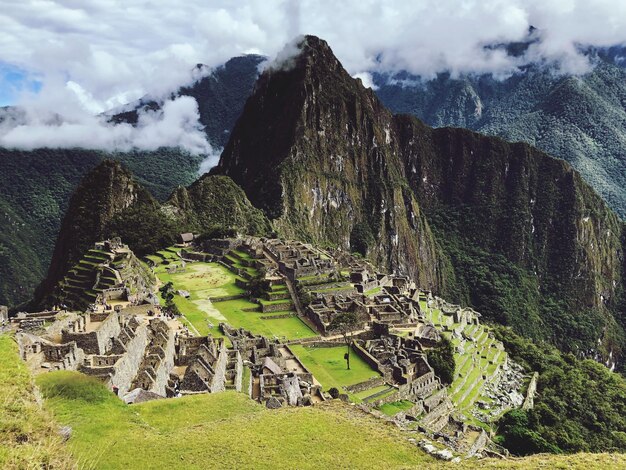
[(306, 56)]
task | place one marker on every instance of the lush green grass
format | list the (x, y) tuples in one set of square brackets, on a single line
[(369, 392), (290, 327), (219, 431), (28, 437), (206, 280), (329, 367), (374, 291), (391, 409), (202, 280)]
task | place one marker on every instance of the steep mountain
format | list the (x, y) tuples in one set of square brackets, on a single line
[(581, 119), (220, 96), (36, 186), (105, 192), (515, 232), (110, 202), (314, 149)]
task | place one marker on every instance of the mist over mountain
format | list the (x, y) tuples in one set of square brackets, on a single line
[(578, 118)]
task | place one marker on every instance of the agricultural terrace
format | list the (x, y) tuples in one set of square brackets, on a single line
[(475, 365)]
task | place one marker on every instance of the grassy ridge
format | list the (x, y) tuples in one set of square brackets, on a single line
[(204, 431), (219, 431), (28, 437)]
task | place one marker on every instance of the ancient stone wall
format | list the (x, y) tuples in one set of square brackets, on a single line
[(218, 383), (280, 307), (165, 367), (126, 368), (4, 314), (371, 383)]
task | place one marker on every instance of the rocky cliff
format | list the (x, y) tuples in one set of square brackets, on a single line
[(317, 152), (522, 236)]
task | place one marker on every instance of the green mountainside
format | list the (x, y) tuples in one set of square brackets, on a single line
[(502, 227), (35, 188), (110, 202), (581, 119)]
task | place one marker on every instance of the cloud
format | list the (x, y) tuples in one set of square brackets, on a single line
[(366, 79), (94, 55), (174, 125), (285, 58), (119, 50)]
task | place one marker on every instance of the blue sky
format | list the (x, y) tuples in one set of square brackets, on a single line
[(13, 81)]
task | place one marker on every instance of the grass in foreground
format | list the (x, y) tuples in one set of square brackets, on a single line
[(329, 367), (28, 434), (219, 431)]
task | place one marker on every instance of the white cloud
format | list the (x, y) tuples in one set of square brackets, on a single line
[(130, 47), (174, 125), (92, 55), (366, 79)]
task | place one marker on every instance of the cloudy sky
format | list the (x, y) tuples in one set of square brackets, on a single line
[(81, 57)]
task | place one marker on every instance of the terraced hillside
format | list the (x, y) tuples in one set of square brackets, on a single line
[(102, 270), (480, 360)]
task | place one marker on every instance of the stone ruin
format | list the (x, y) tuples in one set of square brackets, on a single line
[(4, 315), (396, 304), (402, 361), (296, 259), (107, 272), (277, 378), (205, 363)]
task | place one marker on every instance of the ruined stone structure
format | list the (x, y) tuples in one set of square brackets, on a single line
[(278, 378), (109, 271), (205, 360), (402, 361), (297, 259)]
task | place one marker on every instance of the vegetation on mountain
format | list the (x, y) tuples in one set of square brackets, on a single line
[(35, 191), (580, 405), (441, 359), (578, 118)]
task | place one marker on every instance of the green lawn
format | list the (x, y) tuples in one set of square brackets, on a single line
[(206, 280), (223, 430), (374, 291), (329, 367), (369, 392), (290, 327), (391, 409)]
